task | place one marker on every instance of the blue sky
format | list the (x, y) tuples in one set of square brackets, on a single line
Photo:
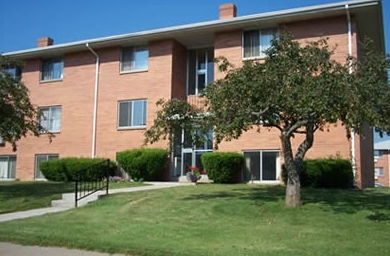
[(22, 22)]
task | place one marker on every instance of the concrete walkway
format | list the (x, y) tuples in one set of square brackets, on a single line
[(66, 203)]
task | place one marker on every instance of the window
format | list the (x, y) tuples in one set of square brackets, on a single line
[(261, 165), (52, 69), (379, 172), (14, 72), (378, 154), (7, 167), (134, 58), (257, 41), (50, 118), (200, 70), (132, 113), (40, 159)]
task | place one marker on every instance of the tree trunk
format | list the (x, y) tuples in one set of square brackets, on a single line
[(293, 186)]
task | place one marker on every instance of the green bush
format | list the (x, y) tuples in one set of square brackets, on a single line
[(325, 173), (143, 164), (223, 167), (65, 169)]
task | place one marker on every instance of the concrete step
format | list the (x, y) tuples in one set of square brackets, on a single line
[(68, 200)]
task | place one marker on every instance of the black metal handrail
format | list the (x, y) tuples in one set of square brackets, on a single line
[(85, 187)]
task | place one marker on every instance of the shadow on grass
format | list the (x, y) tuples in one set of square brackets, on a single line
[(348, 201), (34, 189), (258, 193), (352, 201), (19, 196)]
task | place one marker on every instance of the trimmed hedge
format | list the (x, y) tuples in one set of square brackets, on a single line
[(143, 164), (222, 167), (65, 169), (325, 173)]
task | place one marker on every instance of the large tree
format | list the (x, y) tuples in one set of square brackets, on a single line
[(299, 89), (17, 114)]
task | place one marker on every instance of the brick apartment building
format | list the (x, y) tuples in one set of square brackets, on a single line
[(99, 96)]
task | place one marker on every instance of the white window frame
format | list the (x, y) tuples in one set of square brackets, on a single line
[(37, 170), (130, 116), (379, 172), (261, 32), (207, 71), (132, 50), (50, 119), (50, 74), (10, 173)]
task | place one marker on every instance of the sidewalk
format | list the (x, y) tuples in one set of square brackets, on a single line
[(8, 249), (66, 203)]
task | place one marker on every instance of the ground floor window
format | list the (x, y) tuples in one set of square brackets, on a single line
[(261, 165), (42, 158), (7, 167)]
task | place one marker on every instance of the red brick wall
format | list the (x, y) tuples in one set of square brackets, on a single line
[(75, 93)]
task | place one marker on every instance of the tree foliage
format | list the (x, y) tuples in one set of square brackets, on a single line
[(17, 114), (174, 117), (299, 89)]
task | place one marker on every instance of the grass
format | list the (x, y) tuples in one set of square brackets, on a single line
[(211, 219), (22, 196)]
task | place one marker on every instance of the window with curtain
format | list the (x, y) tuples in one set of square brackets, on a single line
[(132, 113), (7, 167), (257, 41), (40, 159), (52, 69), (134, 58), (50, 118)]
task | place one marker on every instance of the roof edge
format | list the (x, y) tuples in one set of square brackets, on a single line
[(200, 25)]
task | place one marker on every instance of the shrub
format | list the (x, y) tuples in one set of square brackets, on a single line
[(65, 169), (222, 167), (325, 173), (143, 164)]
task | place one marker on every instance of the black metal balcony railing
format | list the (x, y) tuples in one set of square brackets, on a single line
[(85, 186)]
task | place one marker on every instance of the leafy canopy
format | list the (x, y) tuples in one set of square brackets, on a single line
[(299, 85)]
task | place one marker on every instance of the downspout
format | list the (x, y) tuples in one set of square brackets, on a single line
[(94, 100), (353, 146)]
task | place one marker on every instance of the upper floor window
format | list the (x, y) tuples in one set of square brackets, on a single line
[(50, 118), (257, 41), (134, 58), (132, 113), (52, 69), (379, 172), (14, 72), (200, 70), (7, 167), (378, 153)]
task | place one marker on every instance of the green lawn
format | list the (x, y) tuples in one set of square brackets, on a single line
[(21, 196), (211, 219)]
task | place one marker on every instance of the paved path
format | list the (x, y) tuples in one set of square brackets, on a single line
[(66, 203), (8, 249)]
